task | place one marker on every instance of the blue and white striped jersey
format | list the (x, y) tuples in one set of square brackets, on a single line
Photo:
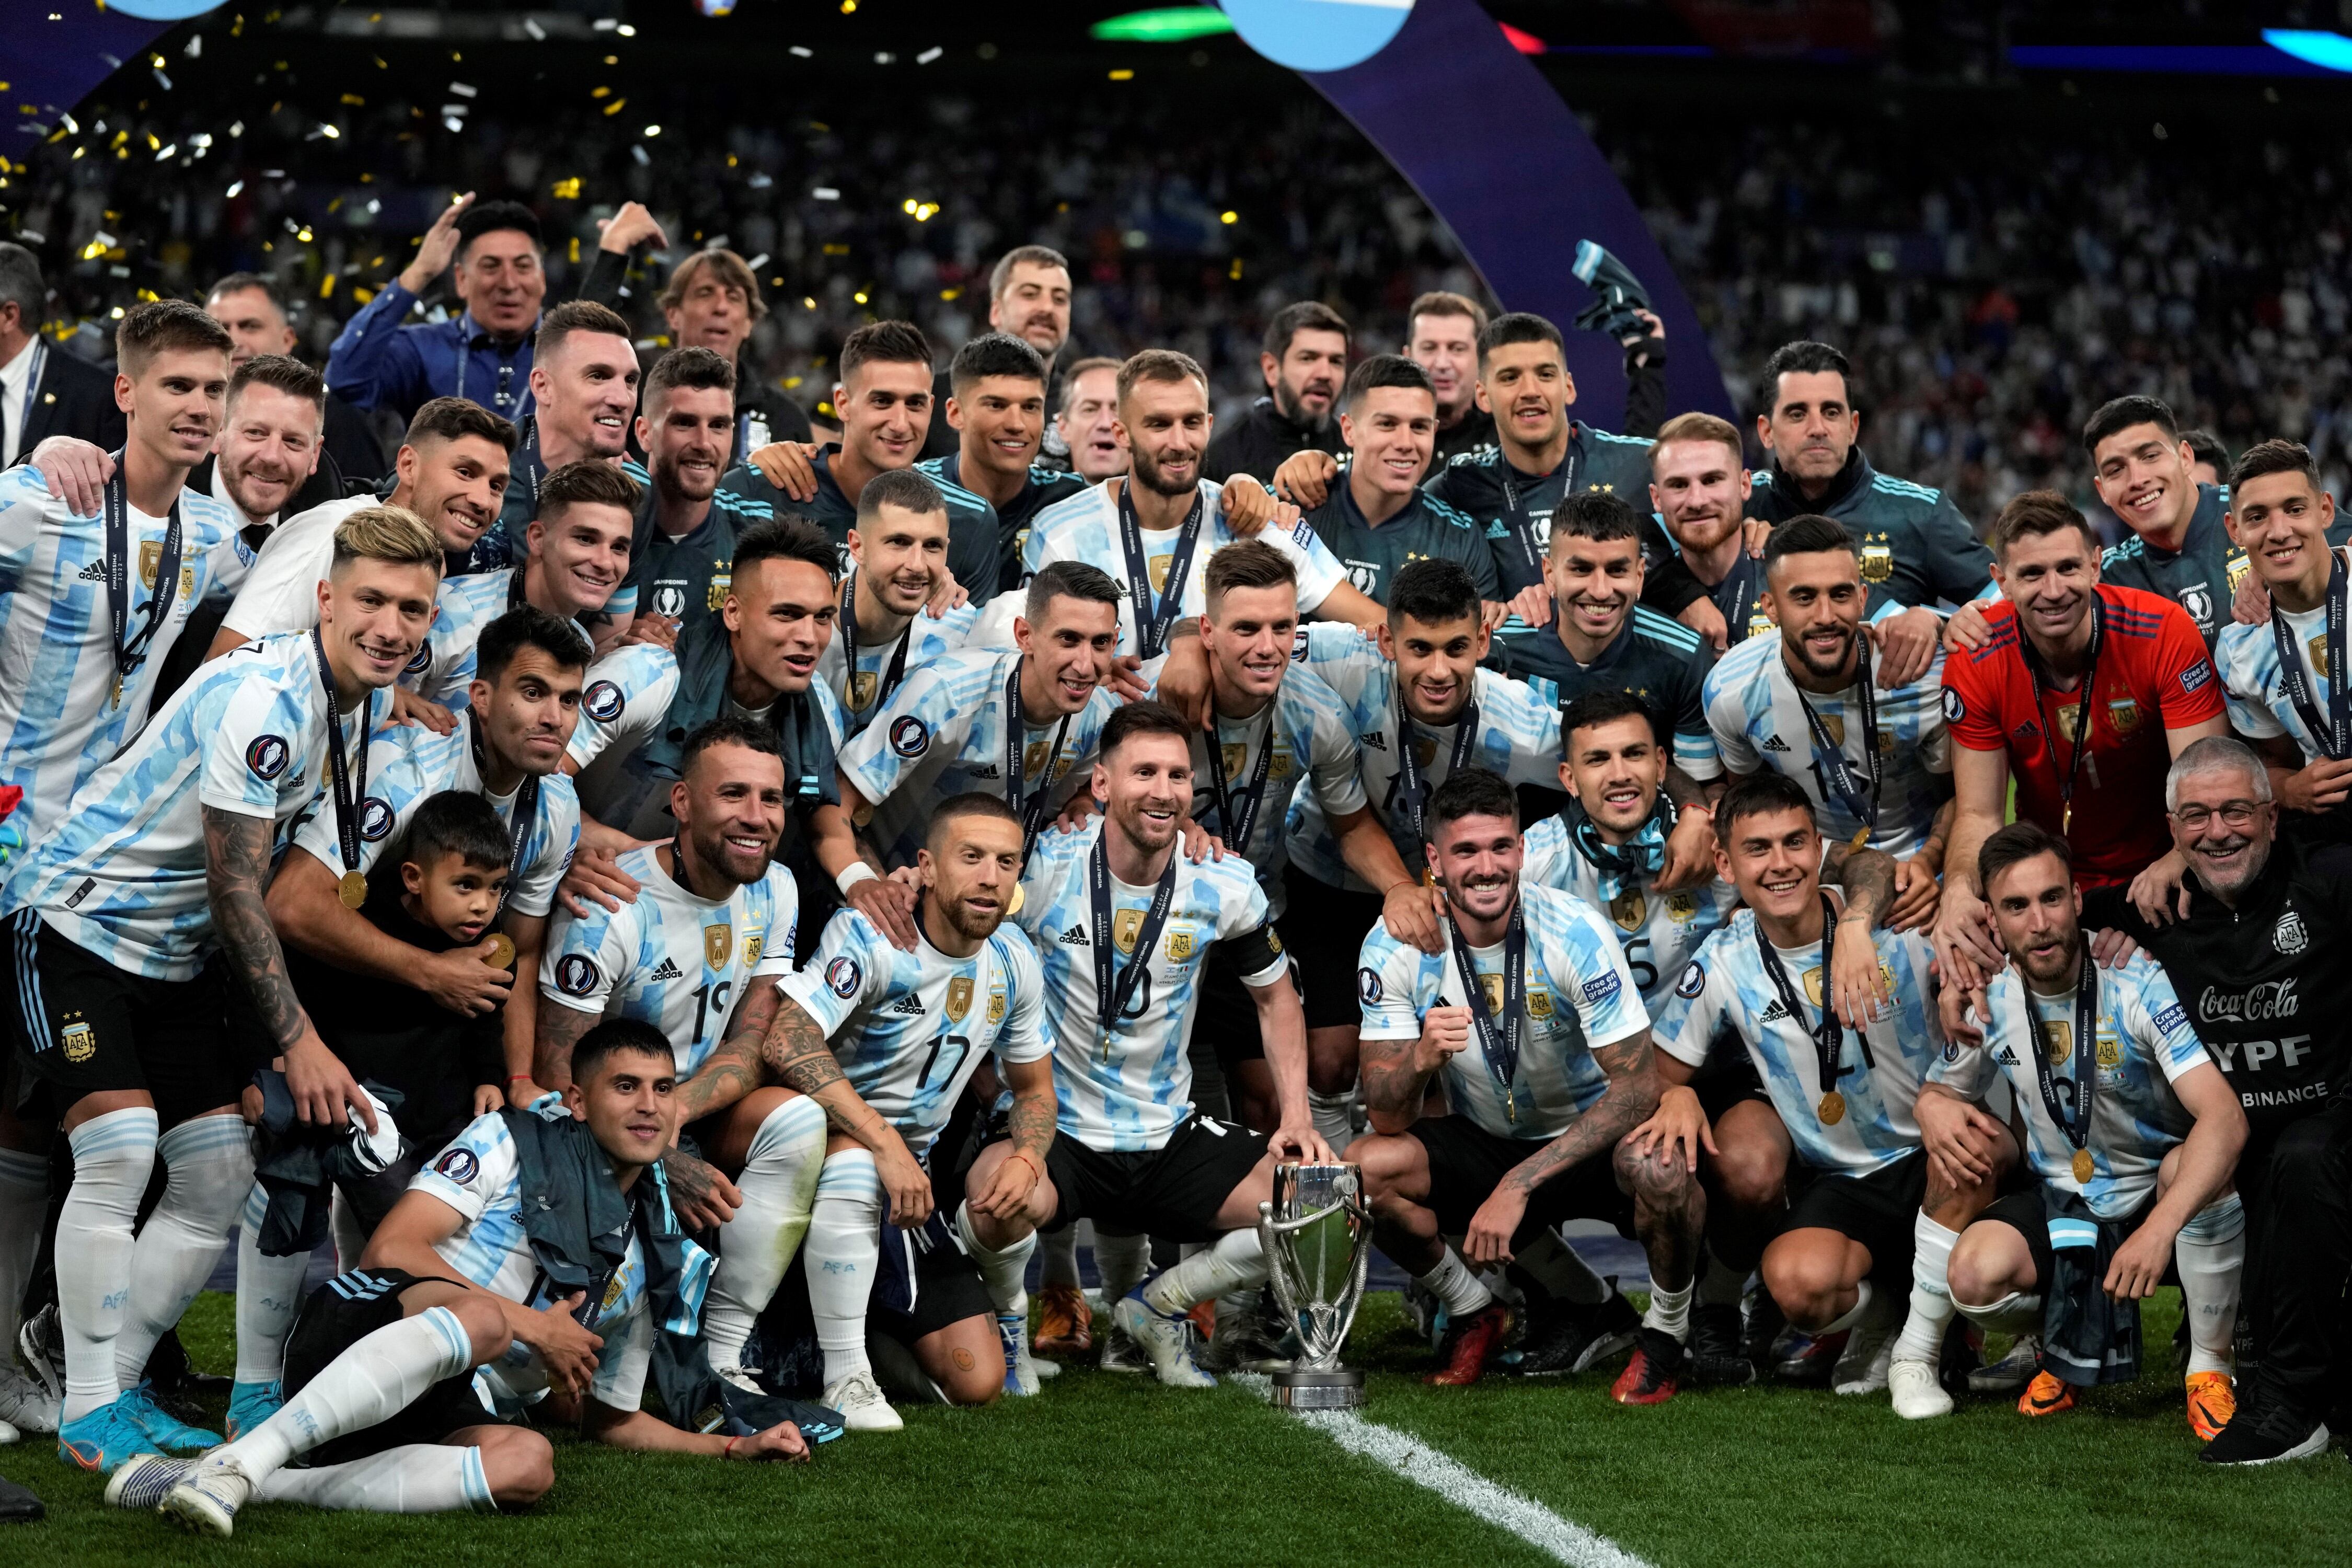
[(407, 763), (1758, 719), (624, 702), (2147, 1043), (123, 877), (1659, 931), (2255, 689), (58, 721), (1878, 1071), (1518, 737), (280, 590), (443, 667), (1580, 997), (1129, 1087), (910, 1028), (929, 639), (636, 961), (942, 732)]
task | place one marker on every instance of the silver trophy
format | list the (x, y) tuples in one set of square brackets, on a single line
[(1319, 1237)]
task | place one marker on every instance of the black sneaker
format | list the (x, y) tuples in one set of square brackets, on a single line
[(1567, 1340), (1718, 1353), (2265, 1430), (1765, 1325)]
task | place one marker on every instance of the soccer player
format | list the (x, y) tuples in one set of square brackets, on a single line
[(1441, 335), (160, 865), (907, 1031), (253, 309), (1699, 486), (483, 355), (1380, 517), (712, 907), (267, 461), (2082, 694), (584, 391), (383, 1358), (1015, 721), (997, 407), (2129, 1128), (1563, 1071), (1122, 921), (687, 526), (1790, 977), (1304, 360), (2181, 545), (1029, 299), (1875, 762), (1087, 423), (898, 555)]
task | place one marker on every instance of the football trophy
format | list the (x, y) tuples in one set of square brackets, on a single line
[(1318, 1235)]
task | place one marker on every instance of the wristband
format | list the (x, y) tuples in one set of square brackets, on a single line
[(856, 871), (517, 1078), (728, 1451), (1024, 1154)]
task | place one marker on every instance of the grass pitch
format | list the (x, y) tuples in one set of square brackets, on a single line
[(1107, 1469)]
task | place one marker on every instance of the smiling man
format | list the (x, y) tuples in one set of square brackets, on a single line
[(1380, 518), (1441, 335), (2181, 545), (997, 406), (584, 388), (484, 353), (898, 554), (1029, 299), (254, 311), (1699, 487), (686, 525)]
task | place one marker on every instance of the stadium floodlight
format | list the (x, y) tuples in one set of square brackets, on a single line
[(1169, 25), (2328, 51)]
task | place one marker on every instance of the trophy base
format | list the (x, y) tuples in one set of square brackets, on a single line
[(1341, 1388)]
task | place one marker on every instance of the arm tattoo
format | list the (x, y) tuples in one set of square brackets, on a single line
[(732, 1068), (1631, 1098), (1939, 833), (795, 1052), (1391, 1085), (1868, 876), (1032, 1122), (1681, 788), (236, 877), (559, 1029)]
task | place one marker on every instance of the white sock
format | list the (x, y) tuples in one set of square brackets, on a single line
[(420, 1477), (1720, 1285), (1333, 1116), (269, 1295), (1922, 1338), (113, 1156), (209, 1161), (1561, 1270), (1002, 1271), (24, 1207), (1854, 1315), (1238, 1259), (2210, 1251), (1121, 1261), (351, 1241), (845, 1245), (1453, 1283), (2015, 1313), (1669, 1312), (755, 1247), (1058, 1256), (379, 1376)]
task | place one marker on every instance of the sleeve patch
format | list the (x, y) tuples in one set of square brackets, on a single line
[(1368, 987), (842, 976), (2171, 1017), (602, 701), (268, 755), (375, 818), (1693, 982), (909, 736), (576, 975), (1602, 988), (458, 1166), (1954, 709), (2196, 675)]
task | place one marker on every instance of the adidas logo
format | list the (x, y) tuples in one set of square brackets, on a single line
[(667, 969), (1774, 744), (909, 1005), (94, 573), (1075, 937), (1773, 1012), (2005, 1056)]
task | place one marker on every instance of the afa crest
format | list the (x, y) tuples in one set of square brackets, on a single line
[(716, 940), (1180, 944), (1877, 557), (2110, 1050), (1539, 1002), (2124, 715), (996, 1003), (754, 945), (1682, 907), (79, 1041), (715, 596)]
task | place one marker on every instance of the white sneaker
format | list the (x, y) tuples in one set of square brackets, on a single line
[(1020, 1372), (207, 1497), (1862, 1366), (2012, 1371), (862, 1406), (1167, 1340), (142, 1480), (1044, 1368), (1917, 1396), (1119, 1352), (24, 1403)]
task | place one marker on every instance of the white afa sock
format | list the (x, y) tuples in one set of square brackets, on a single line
[(1058, 1256), (755, 1247), (1559, 1268), (1237, 1261), (1001, 1270), (1853, 1315), (845, 1245), (1453, 1282), (418, 1477), (2015, 1313), (24, 1207), (1922, 1338), (379, 1376), (1121, 1262), (1333, 1116), (1669, 1312), (1720, 1285), (269, 1295), (2211, 1252), (209, 1165), (113, 1156)]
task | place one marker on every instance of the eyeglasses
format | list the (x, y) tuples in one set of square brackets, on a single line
[(2235, 813)]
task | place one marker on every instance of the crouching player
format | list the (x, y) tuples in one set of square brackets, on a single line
[(2131, 1128), (1533, 1019), (381, 1364), (908, 1032)]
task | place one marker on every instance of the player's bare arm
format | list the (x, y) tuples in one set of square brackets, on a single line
[(1631, 1098), (795, 1052)]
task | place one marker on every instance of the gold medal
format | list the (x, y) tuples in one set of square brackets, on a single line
[(502, 952), (115, 700), (2082, 1167), (1861, 837), (352, 890), (1832, 1108), (1510, 1104)]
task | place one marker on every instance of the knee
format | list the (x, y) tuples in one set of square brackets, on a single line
[(1752, 1176), (972, 1378), (520, 1466), (1653, 1175), (1805, 1282), (1385, 1158), (484, 1325)]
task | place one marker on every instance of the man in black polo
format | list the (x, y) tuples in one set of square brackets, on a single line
[(1304, 361)]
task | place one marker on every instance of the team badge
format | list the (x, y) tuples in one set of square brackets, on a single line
[(1280, 767), (267, 756), (754, 945), (1123, 925), (842, 976), (1877, 558), (2199, 606), (1954, 709), (715, 596), (2070, 723), (2240, 564), (612, 1294), (1425, 748), (602, 701), (1368, 985), (423, 659), (1179, 945), (2288, 936), (997, 1004), (1629, 909), (79, 1041), (1760, 625), (1274, 942), (909, 736), (716, 940), (576, 974), (2124, 715), (1539, 1002), (375, 818), (2111, 1050), (862, 687), (1835, 724), (457, 1165), (2059, 1041), (1237, 757), (958, 997), (1157, 572), (1814, 985), (1693, 982), (1682, 907), (150, 557)]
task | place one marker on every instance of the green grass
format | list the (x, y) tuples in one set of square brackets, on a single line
[(1113, 1469)]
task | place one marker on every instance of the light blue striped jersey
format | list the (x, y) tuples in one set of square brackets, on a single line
[(1727, 989), (929, 639), (942, 732), (58, 721), (1580, 997), (443, 667), (280, 590), (123, 877), (1659, 931), (672, 960), (624, 702), (406, 764), (910, 1028), (1129, 1090), (2253, 687), (1758, 719), (2146, 1044), (1518, 737)]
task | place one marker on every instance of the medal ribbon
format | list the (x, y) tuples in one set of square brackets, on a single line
[(2085, 716), (1031, 809), (1239, 817), (2334, 734), (519, 824), (1412, 789), (1498, 1041), (1829, 1035), (1113, 986), (1859, 799), (896, 671), (2083, 1092), (131, 651), (1522, 527), (349, 786), (1152, 620)]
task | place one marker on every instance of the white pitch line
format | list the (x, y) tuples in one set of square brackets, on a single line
[(1466, 1488)]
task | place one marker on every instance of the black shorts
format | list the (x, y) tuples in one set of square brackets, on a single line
[(1173, 1192), (1467, 1162), (1324, 927), (1880, 1210), (1726, 1079), (948, 1289), (341, 1313), (82, 1027), (2022, 1212)]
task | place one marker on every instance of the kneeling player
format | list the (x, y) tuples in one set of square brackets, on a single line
[(909, 1030), (2134, 1145), (1534, 1135), (381, 1361)]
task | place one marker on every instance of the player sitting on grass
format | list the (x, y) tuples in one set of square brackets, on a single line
[(462, 1274)]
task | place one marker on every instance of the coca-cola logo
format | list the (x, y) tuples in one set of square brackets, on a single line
[(2271, 999)]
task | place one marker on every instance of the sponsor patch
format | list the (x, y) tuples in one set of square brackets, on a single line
[(1603, 988), (267, 756), (2171, 1017), (842, 975), (602, 701), (457, 1165), (2196, 675), (375, 818), (910, 735), (576, 974), (1693, 982), (1368, 985)]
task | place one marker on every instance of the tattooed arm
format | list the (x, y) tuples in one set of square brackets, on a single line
[(1630, 1100), (559, 1029), (732, 1068), (796, 1054), (1032, 1132), (1858, 991)]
